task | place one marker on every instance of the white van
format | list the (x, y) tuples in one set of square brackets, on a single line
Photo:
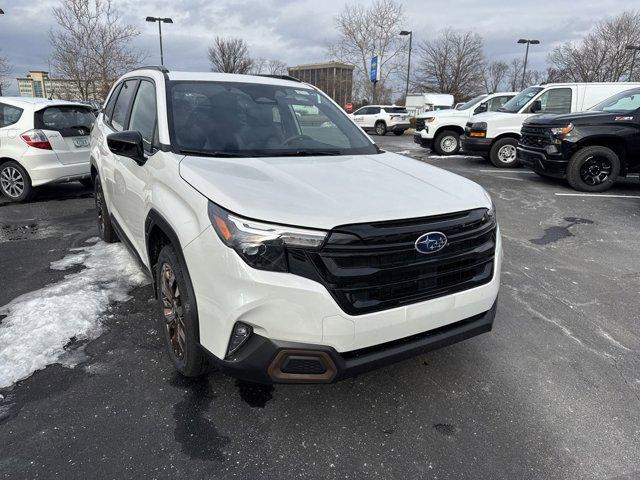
[(496, 134), (418, 103), (441, 130)]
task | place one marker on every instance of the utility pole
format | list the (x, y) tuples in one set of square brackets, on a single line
[(406, 90), (526, 56)]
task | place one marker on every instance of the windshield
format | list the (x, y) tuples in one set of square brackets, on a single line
[(516, 103), (623, 102), (253, 119), (395, 110), (471, 102)]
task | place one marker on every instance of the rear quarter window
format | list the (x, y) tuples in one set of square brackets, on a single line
[(69, 120), (9, 114)]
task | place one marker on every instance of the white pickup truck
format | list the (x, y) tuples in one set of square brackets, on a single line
[(441, 130), (496, 134)]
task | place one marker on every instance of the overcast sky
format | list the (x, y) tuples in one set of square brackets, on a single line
[(298, 31)]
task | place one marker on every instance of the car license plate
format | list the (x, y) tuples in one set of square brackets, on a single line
[(81, 142)]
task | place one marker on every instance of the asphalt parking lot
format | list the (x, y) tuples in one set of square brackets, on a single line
[(553, 392)]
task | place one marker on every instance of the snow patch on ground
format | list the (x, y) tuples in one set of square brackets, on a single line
[(39, 324)]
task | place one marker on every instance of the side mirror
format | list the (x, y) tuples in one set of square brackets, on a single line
[(536, 106), (127, 144), (483, 107)]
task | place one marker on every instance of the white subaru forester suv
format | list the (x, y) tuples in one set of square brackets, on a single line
[(283, 250)]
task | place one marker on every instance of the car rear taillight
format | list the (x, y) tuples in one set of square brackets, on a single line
[(36, 139)]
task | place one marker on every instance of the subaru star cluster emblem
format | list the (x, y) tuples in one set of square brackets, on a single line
[(431, 242)]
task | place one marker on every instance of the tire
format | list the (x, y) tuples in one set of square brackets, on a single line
[(105, 228), (398, 132), (15, 183), (381, 128), (593, 169), (503, 153), (86, 182), (178, 315), (447, 143)]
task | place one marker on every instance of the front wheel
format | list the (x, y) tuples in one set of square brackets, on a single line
[(179, 318), (447, 143), (593, 169), (504, 154), (15, 182), (381, 128)]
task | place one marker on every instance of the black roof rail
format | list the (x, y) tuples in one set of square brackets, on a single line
[(281, 77), (160, 68)]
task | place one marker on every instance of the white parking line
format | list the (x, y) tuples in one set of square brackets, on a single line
[(595, 195), (507, 171)]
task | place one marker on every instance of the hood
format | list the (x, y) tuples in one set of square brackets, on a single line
[(575, 118), (324, 192)]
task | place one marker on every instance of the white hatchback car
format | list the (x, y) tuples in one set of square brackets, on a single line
[(284, 245), (42, 141)]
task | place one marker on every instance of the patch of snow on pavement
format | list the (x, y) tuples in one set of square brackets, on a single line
[(39, 324)]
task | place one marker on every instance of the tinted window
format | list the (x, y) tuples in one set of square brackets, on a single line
[(623, 102), (143, 113), (520, 100), (248, 119), (373, 110), (69, 120), (9, 115), (556, 100), (121, 107), (395, 110), (108, 109)]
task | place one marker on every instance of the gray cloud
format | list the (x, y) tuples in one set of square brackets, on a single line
[(298, 31)]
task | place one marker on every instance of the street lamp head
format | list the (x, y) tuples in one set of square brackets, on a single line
[(522, 40), (405, 32), (1, 12), (534, 42), (167, 20), (151, 19)]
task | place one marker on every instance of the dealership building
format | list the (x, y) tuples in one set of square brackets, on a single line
[(333, 78)]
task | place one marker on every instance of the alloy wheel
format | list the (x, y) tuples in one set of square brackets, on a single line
[(12, 181), (595, 170), (173, 311), (507, 153)]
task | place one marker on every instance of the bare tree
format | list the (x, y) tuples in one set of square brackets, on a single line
[(92, 46), (494, 76), (452, 63), (270, 67), (601, 56), (5, 74), (230, 55), (365, 31), (514, 76)]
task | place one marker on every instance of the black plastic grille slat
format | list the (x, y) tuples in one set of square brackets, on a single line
[(420, 124), (380, 267), (536, 137)]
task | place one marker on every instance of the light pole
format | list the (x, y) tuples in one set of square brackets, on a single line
[(406, 90), (526, 55), (160, 21), (635, 49)]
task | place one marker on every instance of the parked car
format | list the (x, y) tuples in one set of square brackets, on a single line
[(281, 251), (42, 141), (496, 134), (382, 119), (590, 149), (441, 130)]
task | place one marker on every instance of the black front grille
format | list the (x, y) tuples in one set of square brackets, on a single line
[(535, 137), (420, 124), (372, 267)]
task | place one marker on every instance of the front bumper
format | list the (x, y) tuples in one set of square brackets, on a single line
[(475, 145), (266, 361), (399, 127), (421, 139), (539, 162)]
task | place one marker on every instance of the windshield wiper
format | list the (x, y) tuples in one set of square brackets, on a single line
[(206, 153)]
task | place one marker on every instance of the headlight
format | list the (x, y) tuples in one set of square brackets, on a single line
[(429, 119), (262, 245), (562, 131), (479, 126), (491, 213)]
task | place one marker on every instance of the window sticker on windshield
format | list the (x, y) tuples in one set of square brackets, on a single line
[(303, 92)]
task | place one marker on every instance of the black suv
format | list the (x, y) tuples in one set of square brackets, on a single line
[(590, 149)]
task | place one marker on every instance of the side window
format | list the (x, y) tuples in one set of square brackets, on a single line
[(360, 111), (108, 109), (496, 102), (121, 108), (374, 110), (9, 115), (556, 100), (143, 113)]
